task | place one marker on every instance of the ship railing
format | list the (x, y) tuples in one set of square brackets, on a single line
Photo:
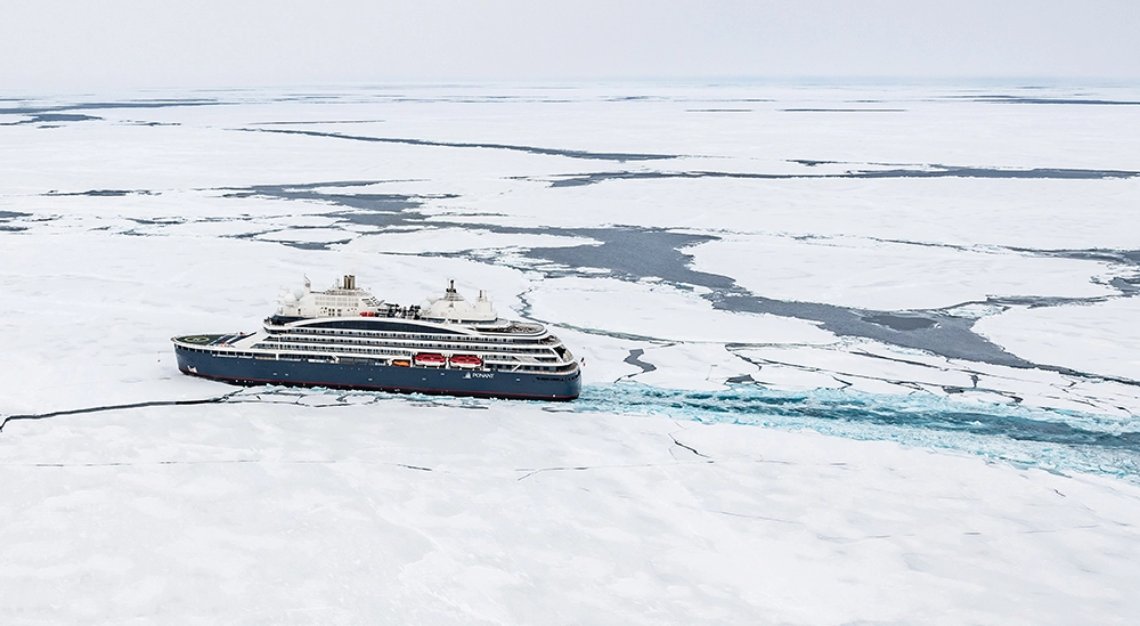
[(544, 357), (515, 364), (393, 335), (517, 328)]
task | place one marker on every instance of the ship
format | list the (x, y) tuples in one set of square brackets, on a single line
[(345, 338)]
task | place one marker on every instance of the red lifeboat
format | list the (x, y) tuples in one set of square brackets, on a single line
[(430, 359), (466, 360)]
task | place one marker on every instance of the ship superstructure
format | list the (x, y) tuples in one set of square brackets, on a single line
[(344, 337)]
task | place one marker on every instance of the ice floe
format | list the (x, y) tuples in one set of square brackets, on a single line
[(892, 276), (1101, 337)]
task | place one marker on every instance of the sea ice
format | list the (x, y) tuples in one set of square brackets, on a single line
[(1099, 337), (891, 276), (448, 515), (721, 467), (660, 311)]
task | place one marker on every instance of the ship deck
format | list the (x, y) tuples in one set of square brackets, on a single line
[(211, 340)]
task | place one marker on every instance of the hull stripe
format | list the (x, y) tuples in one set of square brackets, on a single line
[(402, 389)]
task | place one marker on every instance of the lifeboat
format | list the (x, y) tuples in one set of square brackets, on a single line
[(368, 314), (401, 363), (466, 360), (430, 359)]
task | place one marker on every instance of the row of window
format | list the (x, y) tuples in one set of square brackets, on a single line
[(408, 345), (282, 345)]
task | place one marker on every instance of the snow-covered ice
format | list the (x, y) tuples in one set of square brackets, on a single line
[(660, 310), (1100, 337), (396, 513), (846, 361), (892, 276)]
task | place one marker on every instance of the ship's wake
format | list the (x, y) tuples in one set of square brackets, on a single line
[(1026, 437), (1052, 440)]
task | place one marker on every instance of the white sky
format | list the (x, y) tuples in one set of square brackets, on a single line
[(76, 44)]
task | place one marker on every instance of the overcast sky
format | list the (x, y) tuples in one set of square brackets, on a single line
[(73, 44)]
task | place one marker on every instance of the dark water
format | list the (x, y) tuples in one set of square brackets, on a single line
[(381, 210), (1007, 99), (633, 253), (941, 333), (864, 110), (945, 171), (934, 171), (310, 122), (313, 245), (900, 322), (637, 253), (577, 154), (634, 359), (88, 106), (104, 193), (718, 110), (53, 118)]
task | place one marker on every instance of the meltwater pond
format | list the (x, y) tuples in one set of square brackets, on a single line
[(1025, 437)]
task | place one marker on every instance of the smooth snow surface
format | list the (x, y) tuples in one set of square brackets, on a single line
[(852, 355), (1103, 337), (887, 275), (297, 508)]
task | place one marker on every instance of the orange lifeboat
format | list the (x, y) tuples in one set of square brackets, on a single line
[(466, 360), (430, 359), (401, 363)]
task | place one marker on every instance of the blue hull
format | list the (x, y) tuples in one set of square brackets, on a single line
[(244, 370)]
